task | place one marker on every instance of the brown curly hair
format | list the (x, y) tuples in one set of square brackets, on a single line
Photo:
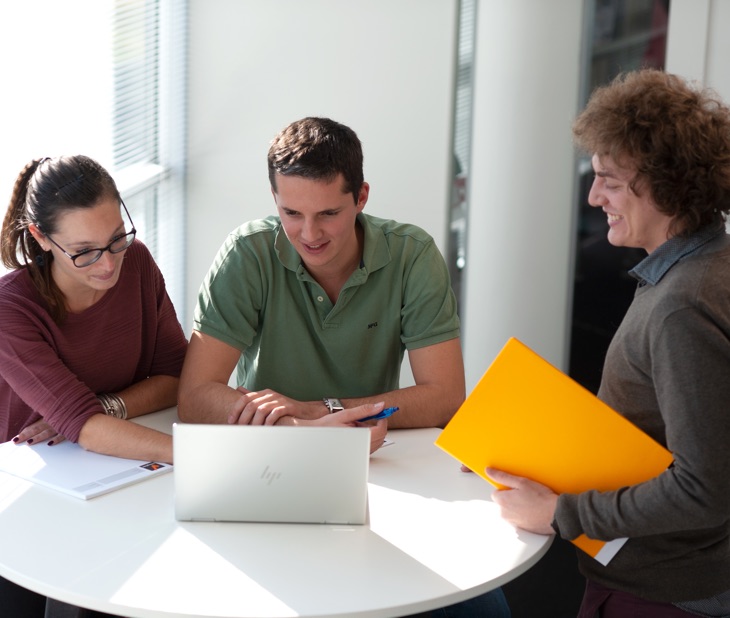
[(676, 137)]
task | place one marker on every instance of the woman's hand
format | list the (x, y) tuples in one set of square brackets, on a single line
[(525, 504), (40, 431)]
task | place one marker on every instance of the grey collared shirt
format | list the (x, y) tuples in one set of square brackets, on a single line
[(650, 271)]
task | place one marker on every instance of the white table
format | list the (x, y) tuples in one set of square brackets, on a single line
[(434, 538)]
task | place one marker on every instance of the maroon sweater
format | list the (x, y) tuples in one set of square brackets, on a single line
[(55, 372)]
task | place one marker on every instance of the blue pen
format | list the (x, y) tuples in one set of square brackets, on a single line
[(382, 414)]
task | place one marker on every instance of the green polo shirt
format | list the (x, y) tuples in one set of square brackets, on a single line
[(259, 298)]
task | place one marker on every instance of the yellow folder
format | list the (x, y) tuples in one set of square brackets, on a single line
[(528, 418)]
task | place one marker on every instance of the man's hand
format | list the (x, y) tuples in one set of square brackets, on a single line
[(267, 407), (526, 504), (40, 431), (350, 418)]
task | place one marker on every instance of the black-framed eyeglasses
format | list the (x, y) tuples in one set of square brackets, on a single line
[(88, 256)]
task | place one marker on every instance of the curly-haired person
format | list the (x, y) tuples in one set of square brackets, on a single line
[(661, 156)]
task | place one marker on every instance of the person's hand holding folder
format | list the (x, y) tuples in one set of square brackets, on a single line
[(525, 503), (554, 437)]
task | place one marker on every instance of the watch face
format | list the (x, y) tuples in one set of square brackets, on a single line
[(334, 404)]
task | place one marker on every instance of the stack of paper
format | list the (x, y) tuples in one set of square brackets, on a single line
[(69, 468)]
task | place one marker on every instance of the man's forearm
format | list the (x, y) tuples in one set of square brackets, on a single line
[(418, 406), (207, 403)]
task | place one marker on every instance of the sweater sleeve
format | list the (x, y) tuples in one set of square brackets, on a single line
[(690, 357), (38, 383)]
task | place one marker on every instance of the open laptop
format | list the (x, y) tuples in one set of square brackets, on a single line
[(271, 474)]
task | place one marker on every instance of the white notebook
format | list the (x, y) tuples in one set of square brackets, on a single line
[(271, 474), (69, 468)]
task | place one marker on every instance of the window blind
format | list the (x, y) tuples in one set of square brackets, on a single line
[(148, 128), (104, 78)]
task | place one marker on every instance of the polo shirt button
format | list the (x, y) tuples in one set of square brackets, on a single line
[(320, 298)]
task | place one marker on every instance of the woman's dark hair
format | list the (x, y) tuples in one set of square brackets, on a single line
[(44, 190), (676, 137), (317, 149)]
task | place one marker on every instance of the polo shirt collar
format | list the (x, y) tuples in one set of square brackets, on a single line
[(654, 266), (375, 255), (285, 251)]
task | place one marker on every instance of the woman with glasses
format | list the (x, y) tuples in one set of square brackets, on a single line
[(89, 335)]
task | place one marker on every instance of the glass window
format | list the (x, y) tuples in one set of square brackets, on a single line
[(103, 78), (621, 35), (463, 93)]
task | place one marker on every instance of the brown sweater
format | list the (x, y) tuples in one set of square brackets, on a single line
[(668, 371)]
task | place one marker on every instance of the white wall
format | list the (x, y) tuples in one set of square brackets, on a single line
[(521, 228), (49, 108), (698, 45), (386, 68), (383, 67)]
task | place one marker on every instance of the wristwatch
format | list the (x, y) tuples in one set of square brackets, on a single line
[(333, 404)]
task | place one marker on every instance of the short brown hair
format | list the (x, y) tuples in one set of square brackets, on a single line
[(318, 149)]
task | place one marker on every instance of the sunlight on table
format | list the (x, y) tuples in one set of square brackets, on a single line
[(183, 548), (471, 524), (11, 489)]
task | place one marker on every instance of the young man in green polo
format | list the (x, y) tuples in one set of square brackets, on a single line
[(316, 306)]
